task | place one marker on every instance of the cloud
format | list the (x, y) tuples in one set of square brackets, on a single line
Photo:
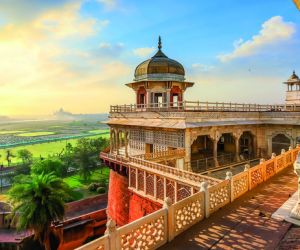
[(273, 31), (143, 52), (45, 68), (61, 23), (109, 4), (202, 67)]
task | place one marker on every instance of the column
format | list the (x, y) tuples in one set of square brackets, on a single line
[(237, 148), (126, 143), (215, 142), (187, 142), (148, 97), (117, 141), (168, 97), (111, 141)]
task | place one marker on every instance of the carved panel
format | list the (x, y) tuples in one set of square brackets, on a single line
[(171, 190), (188, 212), (183, 191), (270, 168), (141, 180), (256, 175), (133, 177), (150, 184), (219, 195), (160, 187), (239, 184), (149, 234)]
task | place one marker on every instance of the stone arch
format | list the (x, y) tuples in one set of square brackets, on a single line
[(281, 140), (247, 146)]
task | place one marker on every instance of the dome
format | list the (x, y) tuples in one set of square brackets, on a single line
[(293, 78), (159, 67)]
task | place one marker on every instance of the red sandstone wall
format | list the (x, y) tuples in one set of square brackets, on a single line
[(139, 207), (118, 198)]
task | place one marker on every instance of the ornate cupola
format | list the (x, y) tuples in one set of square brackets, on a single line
[(159, 81), (293, 90)]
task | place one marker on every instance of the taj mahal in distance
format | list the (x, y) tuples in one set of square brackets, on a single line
[(164, 151)]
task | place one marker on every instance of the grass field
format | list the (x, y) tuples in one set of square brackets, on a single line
[(36, 134), (11, 132), (45, 149), (98, 131)]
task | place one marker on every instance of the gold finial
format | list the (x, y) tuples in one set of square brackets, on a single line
[(159, 43)]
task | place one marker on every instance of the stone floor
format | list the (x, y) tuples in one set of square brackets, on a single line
[(246, 223)]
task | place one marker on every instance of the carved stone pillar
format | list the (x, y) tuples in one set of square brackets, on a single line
[(187, 150), (168, 97), (215, 152), (237, 135), (215, 136), (148, 97), (126, 143), (117, 141), (111, 141)]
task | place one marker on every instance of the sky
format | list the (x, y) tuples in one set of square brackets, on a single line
[(79, 54)]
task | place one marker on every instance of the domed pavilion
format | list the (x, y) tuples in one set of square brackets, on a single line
[(159, 81)]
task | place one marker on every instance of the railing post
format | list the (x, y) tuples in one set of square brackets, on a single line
[(204, 188), (273, 155), (170, 214), (229, 177), (112, 235)]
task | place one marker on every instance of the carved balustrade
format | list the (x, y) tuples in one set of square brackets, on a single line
[(239, 184), (177, 153), (200, 106), (256, 175), (186, 213), (154, 230), (217, 196), (149, 232)]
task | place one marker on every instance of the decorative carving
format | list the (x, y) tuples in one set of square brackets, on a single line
[(188, 212), (239, 184), (219, 195), (270, 169), (256, 176), (147, 235)]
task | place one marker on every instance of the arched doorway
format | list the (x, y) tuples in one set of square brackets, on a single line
[(280, 141), (226, 149), (247, 145), (202, 154)]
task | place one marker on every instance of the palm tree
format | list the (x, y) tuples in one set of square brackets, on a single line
[(39, 201)]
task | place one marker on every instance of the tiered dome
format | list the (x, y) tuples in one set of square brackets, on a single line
[(293, 78), (159, 67)]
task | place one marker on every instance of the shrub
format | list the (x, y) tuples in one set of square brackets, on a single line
[(93, 187), (101, 190)]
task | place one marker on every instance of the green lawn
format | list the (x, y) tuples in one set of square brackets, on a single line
[(81, 187), (11, 132), (43, 149), (99, 131), (36, 134)]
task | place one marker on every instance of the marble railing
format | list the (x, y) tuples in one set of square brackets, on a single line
[(200, 106), (178, 153), (154, 230)]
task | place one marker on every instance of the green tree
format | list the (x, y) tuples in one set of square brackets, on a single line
[(67, 156), (50, 165), (85, 157), (8, 156), (25, 155), (38, 201)]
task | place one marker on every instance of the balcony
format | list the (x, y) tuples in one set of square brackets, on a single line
[(202, 106)]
